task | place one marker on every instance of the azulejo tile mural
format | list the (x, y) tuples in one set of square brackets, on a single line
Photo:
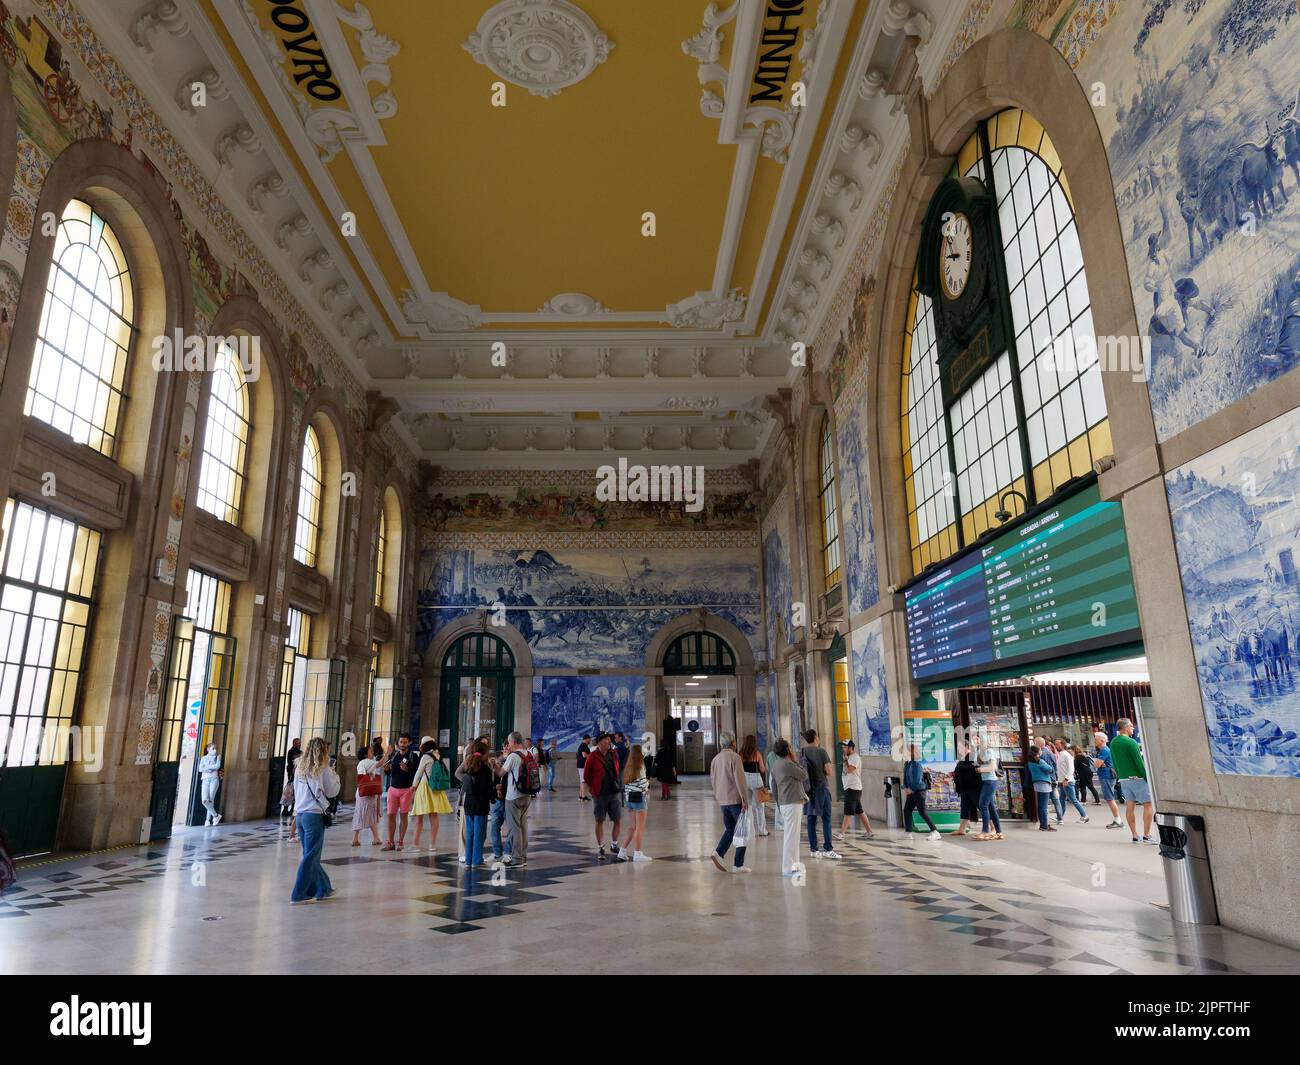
[(857, 534), (567, 708), (778, 585), (1203, 138), (1237, 528), (870, 692), (585, 608)]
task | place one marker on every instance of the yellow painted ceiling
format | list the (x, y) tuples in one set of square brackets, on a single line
[(508, 207)]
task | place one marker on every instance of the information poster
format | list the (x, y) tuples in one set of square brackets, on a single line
[(932, 733)]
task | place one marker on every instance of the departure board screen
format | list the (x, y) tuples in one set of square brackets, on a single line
[(1058, 584)]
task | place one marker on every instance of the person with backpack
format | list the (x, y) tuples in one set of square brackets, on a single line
[(476, 789), (915, 785), (430, 787), (520, 782), (602, 776), (370, 782)]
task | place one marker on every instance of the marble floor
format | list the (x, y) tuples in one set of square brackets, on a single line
[(1083, 900)]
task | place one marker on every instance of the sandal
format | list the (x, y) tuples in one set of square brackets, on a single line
[(356, 843), (999, 835)]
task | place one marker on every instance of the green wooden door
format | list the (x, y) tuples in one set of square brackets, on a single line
[(31, 797), (167, 757)]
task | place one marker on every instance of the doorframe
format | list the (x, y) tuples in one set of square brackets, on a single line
[(700, 620)]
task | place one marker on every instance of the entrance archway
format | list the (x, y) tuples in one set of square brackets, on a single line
[(441, 661), (477, 694), (694, 657)]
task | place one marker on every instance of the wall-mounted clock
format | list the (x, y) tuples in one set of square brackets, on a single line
[(957, 245), (960, 268)]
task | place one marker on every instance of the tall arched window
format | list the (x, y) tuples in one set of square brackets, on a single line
[(225, 439), (79, 366), (381, 549), (310, 490), (829, 514), (1034, 416)]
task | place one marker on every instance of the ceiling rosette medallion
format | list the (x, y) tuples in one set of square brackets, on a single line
[(573, 305), (540, 45)]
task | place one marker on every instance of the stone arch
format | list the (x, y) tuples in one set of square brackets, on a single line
[(445, 637), (1009, 68)]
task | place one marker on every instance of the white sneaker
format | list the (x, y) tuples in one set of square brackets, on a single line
[(832, 854), (463, 860), (935, 836), (624, 855), (818, 854), (838, 836), (741, 869), (641, 856), (217, 820), (207, 821)]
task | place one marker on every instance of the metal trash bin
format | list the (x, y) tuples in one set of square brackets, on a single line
[(1187, 868), (894, 802)]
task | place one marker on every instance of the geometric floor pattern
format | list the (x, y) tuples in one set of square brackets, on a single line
[(216, 900)]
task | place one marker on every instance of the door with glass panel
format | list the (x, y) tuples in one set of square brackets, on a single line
[(47, 579), (196, 710), (478, 692)]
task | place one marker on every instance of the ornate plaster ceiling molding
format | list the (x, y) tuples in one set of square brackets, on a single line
[(158, 17), (213, 86), (543, 46), (268, 185), (690, 403), (377, 50), (440, 312), (902, 18), (240, 136), (708, 310), (775, 125), (572, 305)]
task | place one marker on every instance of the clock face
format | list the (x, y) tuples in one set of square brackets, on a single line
[(956, 245)]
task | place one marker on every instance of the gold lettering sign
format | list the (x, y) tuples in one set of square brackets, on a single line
[(776, 51)]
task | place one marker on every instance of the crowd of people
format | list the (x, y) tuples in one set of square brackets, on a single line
[(1061, 776), (496, 790)]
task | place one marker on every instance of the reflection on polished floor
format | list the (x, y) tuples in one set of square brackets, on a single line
[(216, 900)]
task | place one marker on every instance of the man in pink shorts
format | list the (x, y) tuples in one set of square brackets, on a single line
[(403, 760)]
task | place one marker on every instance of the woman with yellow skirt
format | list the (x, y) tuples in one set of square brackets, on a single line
[(430, 793)]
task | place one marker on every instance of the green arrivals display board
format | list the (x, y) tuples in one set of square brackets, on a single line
[(1057, 584), (1061, 580)]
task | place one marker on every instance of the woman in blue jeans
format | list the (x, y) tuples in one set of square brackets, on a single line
[(1042, 775), (988, 803), (477, 788), (314, 784)]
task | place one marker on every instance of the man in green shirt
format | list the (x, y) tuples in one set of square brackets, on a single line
[(1132, 774)]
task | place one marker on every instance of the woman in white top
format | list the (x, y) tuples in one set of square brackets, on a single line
[(370, 778), (636, 783), (210, 772), (852, 781), (314, 784)]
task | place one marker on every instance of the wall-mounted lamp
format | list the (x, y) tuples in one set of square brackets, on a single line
[(1002, 514)]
